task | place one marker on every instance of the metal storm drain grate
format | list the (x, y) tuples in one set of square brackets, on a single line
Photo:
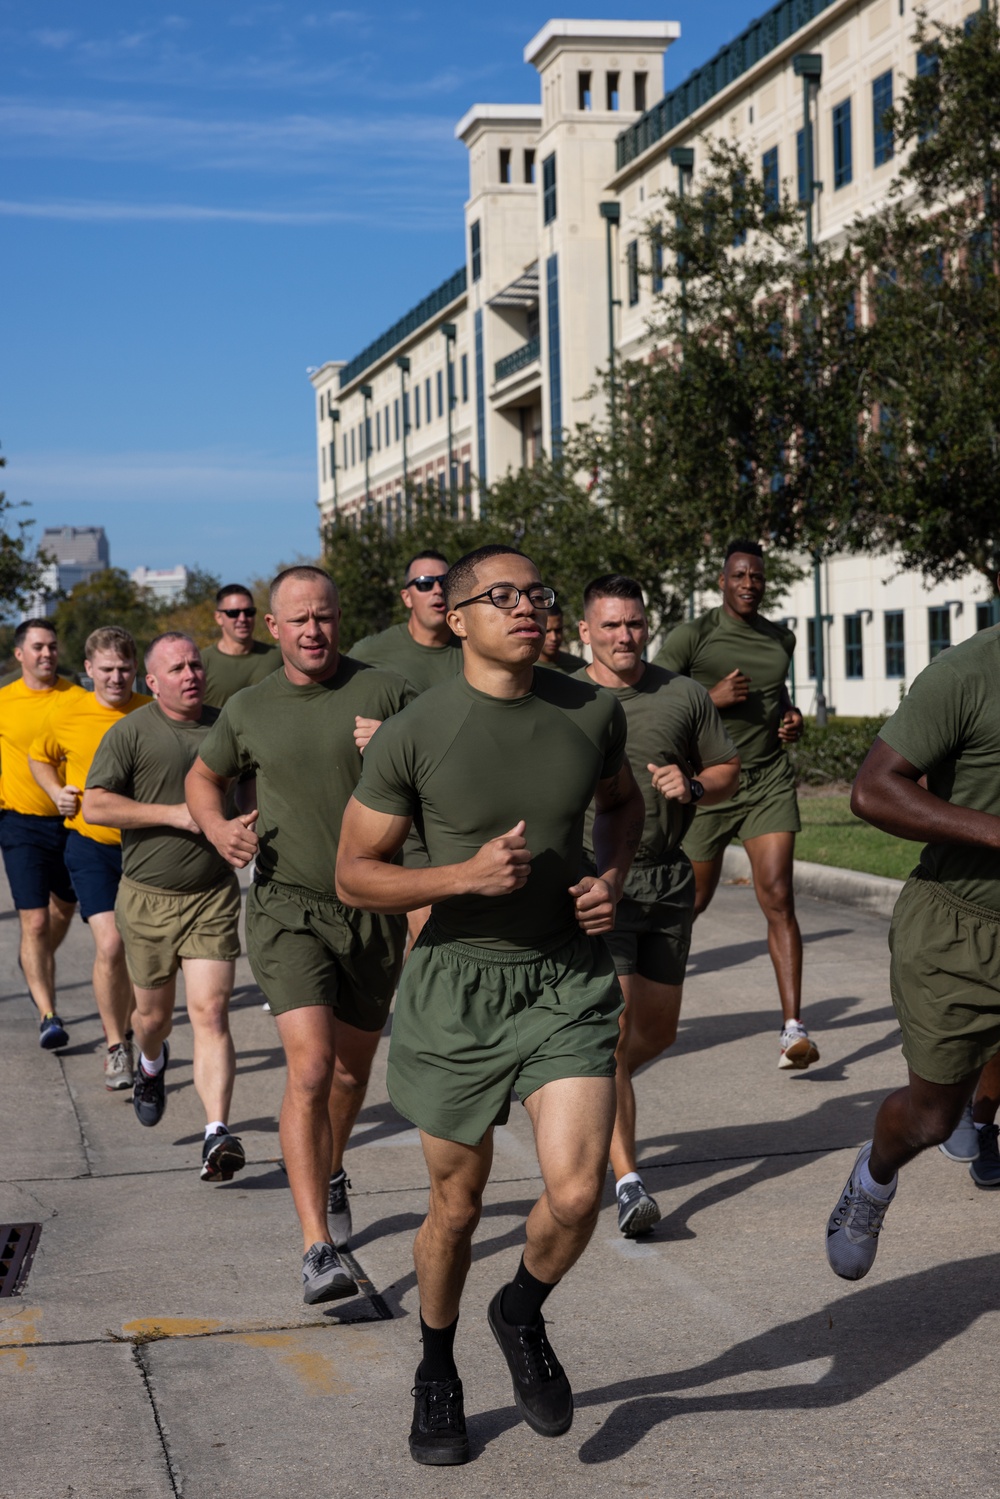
[(18, 1242)]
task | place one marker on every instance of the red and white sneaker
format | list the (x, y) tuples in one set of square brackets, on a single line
[(796, 1048)]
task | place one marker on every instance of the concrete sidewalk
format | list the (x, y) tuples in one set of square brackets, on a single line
[(161, 1347)]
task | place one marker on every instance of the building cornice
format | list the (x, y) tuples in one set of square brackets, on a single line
[(623, 33), (498, 114)]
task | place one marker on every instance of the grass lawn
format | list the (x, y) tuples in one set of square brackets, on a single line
[(831, 834)]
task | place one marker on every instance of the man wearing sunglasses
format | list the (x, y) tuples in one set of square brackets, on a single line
[(510, 984), (238, 660), (423, 650)]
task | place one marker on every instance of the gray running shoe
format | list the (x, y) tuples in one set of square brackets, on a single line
[(637, 1211), (119, 1070), (323, 1276), (963, 1142), (222, 1156), (338, 1211), (795, 1047), (985, 1169), (854, 1225)]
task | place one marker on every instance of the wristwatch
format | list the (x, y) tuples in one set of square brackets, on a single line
[(697, 790)]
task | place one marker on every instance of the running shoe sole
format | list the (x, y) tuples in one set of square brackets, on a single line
[(225, 1158), (641, 1220), (801, 1054), (54, 1036)]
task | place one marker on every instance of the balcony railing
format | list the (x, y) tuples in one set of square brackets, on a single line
[(519, 360)]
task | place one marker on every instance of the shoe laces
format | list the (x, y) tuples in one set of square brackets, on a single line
[(989, 1136), (338, 1193), (538, 1357), (630, 1193), (860, 1213), (319, 1256), (442, 1403)]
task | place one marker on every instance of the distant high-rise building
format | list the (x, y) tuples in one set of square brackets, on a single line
[(164, 583), (76, 553)]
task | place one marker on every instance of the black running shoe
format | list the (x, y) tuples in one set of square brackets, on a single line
[(221, 1157), (541, 1389), (149, 1094), (338, 1210), (52, 1034), (438, 1436)]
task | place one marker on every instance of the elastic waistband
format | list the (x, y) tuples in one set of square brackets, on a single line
[(949, 898), (751, 773), (491, 957), (175, 894), (328, 897)]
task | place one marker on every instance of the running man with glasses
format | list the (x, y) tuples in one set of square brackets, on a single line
[(510, 984), (238, 660)]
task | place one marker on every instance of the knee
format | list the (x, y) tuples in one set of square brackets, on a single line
[(935, 1123), (575, 1203), (351, 1077), (455, 1215), (35, 924), (309, 1081), (777, 898)]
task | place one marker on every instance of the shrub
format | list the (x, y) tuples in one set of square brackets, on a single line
[(834, 753)]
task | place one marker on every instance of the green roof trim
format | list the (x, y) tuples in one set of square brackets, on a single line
[(435, 302), (762, 36)]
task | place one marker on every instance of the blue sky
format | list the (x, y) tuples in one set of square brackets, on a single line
[(199, 202)]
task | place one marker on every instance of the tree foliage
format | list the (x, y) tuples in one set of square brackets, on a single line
[(20, 574)]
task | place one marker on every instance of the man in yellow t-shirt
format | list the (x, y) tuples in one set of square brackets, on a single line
[(32, 836), (59, 760)]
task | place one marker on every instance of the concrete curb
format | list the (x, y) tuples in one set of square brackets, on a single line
[(872, 893)]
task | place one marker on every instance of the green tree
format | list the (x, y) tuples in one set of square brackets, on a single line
[(108, 598), (20, 575)]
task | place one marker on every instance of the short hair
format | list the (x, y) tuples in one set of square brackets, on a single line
[(556, 610), (462, 574), (159, 640), (612, 586), (31, 624), (110, 638), (743, 548), (434, 556), (302, 570), (240, 588)]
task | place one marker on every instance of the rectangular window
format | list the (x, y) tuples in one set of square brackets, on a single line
[(612, 86), (771, 180), (632, 267), (939, 630), (476, 249), (505, 176), (583, 95), (555, 363), (529, 166), (378, 430), (368, 437), (928, 66), (322, 454), (800, 166), (406, 412), (639, 91), (333, 459), (549, 189), (467, 489), (739, 210), (882, 127), (465, 378), (395, 418), (811, 648), (843, 160), (345, 449), (353, 459), (895, 643), (427, 403), (987, 614), (416, 407), (440, 393), (854, 660), (658, 259)]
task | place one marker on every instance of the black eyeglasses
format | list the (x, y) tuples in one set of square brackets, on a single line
[(506, 596), (235, 613), (426, 582)]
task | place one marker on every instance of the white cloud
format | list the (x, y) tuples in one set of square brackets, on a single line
[(53, 40), (168, 212), (213, 477)]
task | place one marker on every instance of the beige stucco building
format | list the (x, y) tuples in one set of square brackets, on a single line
[(504, 355)]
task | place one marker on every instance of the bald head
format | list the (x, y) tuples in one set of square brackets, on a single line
[(303, 574)]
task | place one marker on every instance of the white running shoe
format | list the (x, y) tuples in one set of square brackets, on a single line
[(797, 1050)]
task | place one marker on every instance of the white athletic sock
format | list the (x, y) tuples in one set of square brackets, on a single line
[(216, 1124), (874, 1188), (793, 1025), (630, 1176), (152, 1069)]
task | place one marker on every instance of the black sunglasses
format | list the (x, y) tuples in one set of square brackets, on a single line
[(426, 582), (250, 613)]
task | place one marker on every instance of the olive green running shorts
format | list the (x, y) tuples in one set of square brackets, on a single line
[(160, 928), (471, 1023), (306, 948), (944, 978), (652, 935), (765, 802)]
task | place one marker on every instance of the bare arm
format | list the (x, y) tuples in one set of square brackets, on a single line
[(109, 809), (367, 879), (66, 798), (620, 817), (720, 782), (234, 837), (888, 794)]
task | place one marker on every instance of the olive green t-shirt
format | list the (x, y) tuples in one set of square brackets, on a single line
[(565, 661), (146, 756), (671, 721), (948, 726), (709, 648), (226, 675), (467, 766), (423, 666), (299, 743)]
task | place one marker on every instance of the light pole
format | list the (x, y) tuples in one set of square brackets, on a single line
[(334, 424), (404, 369), (450, 334), (809, 67), (366, 391), (611, 213)]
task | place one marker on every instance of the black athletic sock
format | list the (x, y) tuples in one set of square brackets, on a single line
[(521, 1302), (438, 1361)]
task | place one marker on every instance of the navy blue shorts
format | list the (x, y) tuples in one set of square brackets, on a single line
[(96, 870), (33, 856)]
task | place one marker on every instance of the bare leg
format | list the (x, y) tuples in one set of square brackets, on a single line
[(573, 1119), (707, 873), (913, 1119), (153, 1019), (987, 1102), (42, 930), (772, 857), (112, 986), (308, 1036), (354, 1051), (648, 1026), (208, 986), (442, 1250)]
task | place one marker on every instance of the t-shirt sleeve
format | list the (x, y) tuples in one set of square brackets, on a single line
[(614, 744), (45, 747), (222, 750), (677, 651), (388, 780), (714, 745), (362, 651), (112, 766), (931, 721)]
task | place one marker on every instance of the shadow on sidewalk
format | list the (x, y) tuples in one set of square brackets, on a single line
[(713, 959), (837, 1012)]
